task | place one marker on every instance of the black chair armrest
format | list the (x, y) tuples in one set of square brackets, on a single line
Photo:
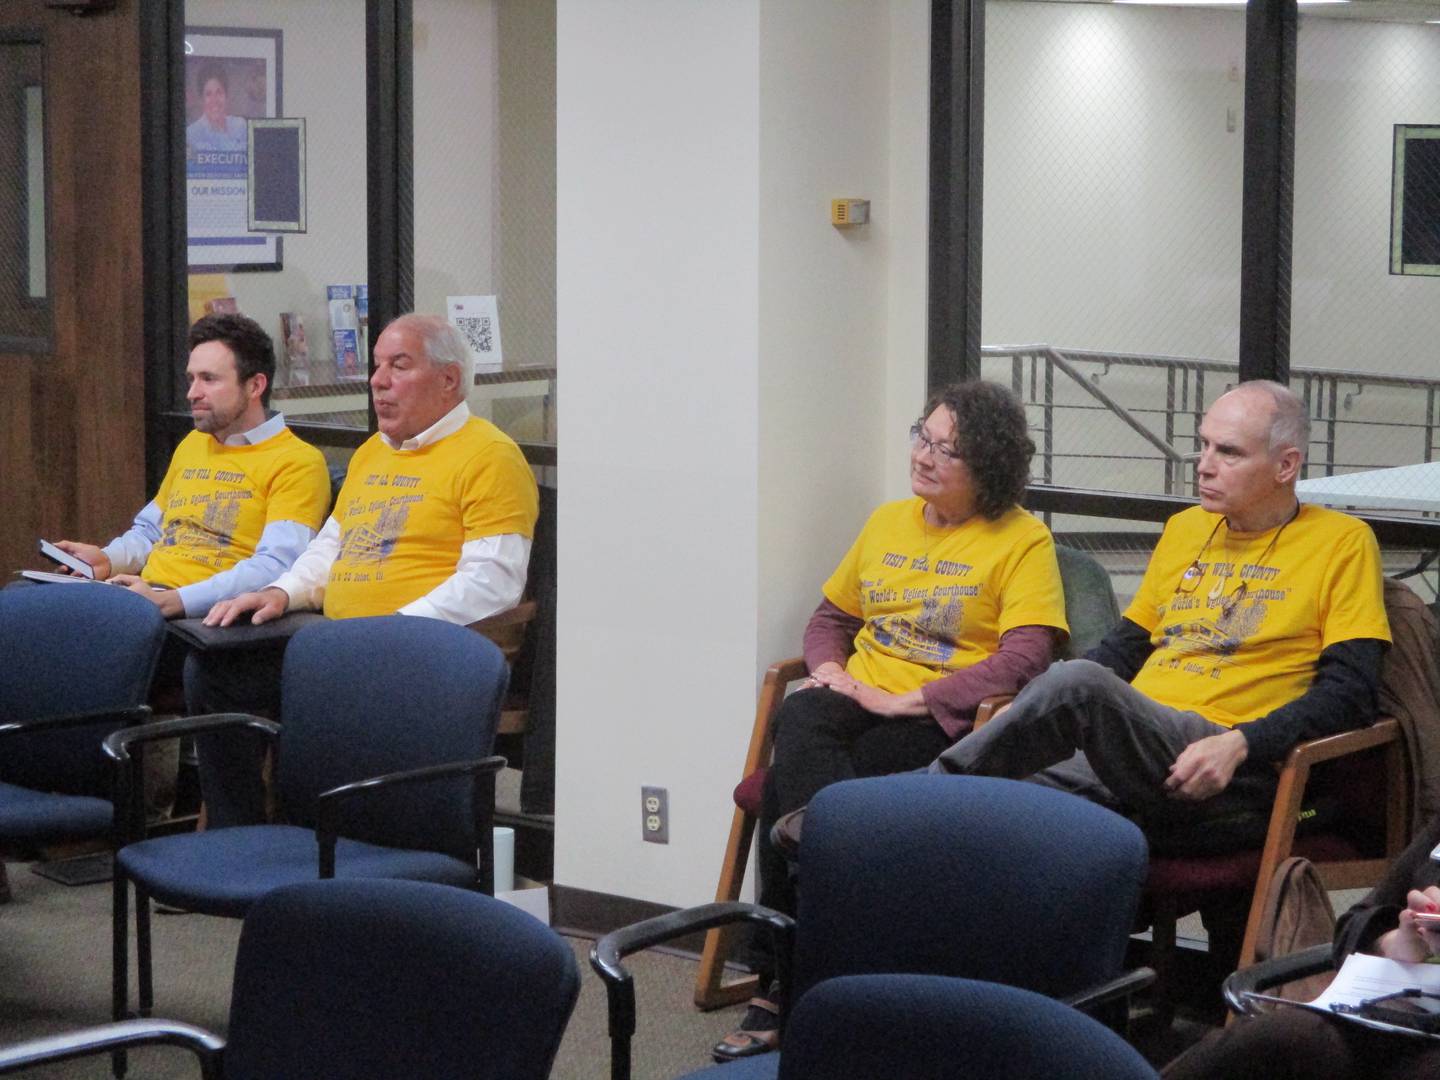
[(1121, 988), (124, 717), (1268, 974), (607, 953), (123, 1035), (129, 811), (118, 743), (329, 807)]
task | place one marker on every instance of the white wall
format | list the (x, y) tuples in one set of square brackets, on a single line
[(657, 247), (727, 359), (824, 101)]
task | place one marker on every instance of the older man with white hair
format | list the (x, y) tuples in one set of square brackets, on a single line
[(438, 508), (1259, 623), (435, 519)]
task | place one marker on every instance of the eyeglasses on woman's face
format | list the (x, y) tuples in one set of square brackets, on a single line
[(921, 442)]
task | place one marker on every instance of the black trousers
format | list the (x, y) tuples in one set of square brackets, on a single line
[(823, 737), (232, 762), (1293, 1044)]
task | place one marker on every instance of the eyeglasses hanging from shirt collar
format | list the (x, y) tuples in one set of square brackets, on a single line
[(1190, 579)]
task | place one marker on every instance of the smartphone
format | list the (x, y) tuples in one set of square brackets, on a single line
[(64, 558), (1427, 920)]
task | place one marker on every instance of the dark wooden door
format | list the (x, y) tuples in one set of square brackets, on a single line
[(72, 362)]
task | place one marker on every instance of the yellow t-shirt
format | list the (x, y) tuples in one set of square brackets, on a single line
[(934, 601), (216, 500), (403, 515), (1233, 656)]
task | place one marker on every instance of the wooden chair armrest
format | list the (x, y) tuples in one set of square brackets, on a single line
[(778, 676), (1289, 794), (507, 628), (990, 708), (1385, 730)]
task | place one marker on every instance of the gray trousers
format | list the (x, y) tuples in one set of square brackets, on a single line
[(1081, 728)]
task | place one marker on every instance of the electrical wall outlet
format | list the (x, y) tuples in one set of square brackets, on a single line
[(655, 815)]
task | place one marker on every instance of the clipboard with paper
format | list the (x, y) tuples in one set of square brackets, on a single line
[(1364, 978)]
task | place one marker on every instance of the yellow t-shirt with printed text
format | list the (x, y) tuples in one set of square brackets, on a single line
[(1234, 655), (933, 601), (216, 500), (404, 514)]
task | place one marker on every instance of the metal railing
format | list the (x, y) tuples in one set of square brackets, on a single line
[(1190, 384)]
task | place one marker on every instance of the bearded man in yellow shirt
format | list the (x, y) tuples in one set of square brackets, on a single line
[(242, 496), (1259, 623)]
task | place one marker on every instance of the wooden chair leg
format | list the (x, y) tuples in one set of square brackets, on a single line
[(711, 992)]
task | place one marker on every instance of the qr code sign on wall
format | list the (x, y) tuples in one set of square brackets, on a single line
[(476, 329), (478, 320)]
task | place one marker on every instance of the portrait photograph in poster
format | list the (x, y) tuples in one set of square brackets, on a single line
[(231, 76)]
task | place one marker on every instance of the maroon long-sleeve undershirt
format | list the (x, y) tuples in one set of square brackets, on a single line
[(1024, 652)]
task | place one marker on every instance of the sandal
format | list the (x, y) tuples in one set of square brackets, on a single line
[(758, 1033)]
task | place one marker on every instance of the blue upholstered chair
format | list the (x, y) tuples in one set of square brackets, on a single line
[(382, 772), (77, 663), (371, 979), (880, 1027), (946, 875)]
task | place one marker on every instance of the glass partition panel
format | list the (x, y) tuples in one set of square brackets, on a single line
[(1363, 342), (25, 323), (294, 59), (484, 99), (1113, 158)]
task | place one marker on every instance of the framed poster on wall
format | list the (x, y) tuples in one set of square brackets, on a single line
[(231, 76), (1415, 201)]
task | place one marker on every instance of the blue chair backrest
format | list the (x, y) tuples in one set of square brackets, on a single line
[(875, 1027), (372, 978), (71, 649), (968, 876), (365, 697)]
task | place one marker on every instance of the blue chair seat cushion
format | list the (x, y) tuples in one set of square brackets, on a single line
[(762, 1067), (40, 816), (224, 871)]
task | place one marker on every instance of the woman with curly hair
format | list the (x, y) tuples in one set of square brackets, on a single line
[(944, 599)]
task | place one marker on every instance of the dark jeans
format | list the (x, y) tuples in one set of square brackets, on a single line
[(823, 737), (1128, 743)]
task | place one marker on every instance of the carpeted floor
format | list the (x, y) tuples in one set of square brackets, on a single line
[(55, 976)]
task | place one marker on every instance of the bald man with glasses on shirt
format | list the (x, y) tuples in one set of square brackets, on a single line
[(1259, 623)]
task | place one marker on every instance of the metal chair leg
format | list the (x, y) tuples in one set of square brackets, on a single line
[(120, 960), (142, 951)]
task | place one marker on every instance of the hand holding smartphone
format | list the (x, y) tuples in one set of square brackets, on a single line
[(1426, 920), (65, 559)]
